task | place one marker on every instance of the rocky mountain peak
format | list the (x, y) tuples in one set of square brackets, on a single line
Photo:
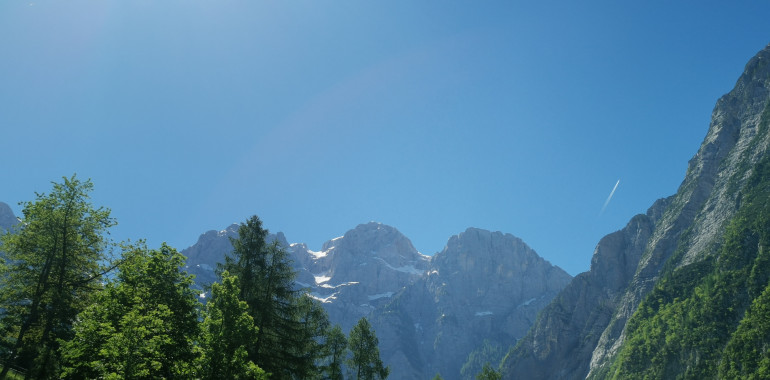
[(481, 250), (7, 218), (483, 285), (374, 239)]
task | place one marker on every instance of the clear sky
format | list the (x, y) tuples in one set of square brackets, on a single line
[(430, 116)]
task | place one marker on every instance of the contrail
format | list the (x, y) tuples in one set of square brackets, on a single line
[(610, 197)]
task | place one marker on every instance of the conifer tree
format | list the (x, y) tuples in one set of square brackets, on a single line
[(290, 324), (335, 346), (365, 362), (55, 260)]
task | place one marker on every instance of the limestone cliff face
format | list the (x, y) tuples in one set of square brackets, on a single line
[(7, 219), (429, 314), (483, 285), (561, 342), (708, 196), (210, 250), (351, 275), (583, 329), (360, 271)]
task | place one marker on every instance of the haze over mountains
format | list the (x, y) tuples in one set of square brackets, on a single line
[(429, 313), (681, 291), (592, 326)]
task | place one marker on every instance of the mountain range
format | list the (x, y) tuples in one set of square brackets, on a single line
[(682, 291), (430, 313)]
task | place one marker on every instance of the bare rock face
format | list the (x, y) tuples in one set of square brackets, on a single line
[(483, 285), (356, 273), (210, 250), (7, 218), (429, 314), (708, 196), (351, 275), (581, 331), (561, 342)]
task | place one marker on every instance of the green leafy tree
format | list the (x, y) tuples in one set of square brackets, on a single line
[(290, 325), (747, 354), (365, 362), (143, 324), (227, 330), (55, 262)]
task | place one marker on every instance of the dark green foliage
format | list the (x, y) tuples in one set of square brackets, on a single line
[(142, 324), (227, 330), (747, 355), (488, 352), (54, 265), (290, 324), (709, 318), (488, 373), (365, 362), (335, 347)]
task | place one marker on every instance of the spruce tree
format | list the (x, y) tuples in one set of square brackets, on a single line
[(290, 325)]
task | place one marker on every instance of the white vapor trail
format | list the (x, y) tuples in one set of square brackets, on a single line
[(610, 197)]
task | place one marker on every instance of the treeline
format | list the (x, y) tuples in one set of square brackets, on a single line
[(75, 305)]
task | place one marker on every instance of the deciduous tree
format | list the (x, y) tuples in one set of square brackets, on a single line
[(144, 323), (55, 262), (227, 331)]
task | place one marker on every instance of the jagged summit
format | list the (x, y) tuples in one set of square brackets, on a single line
[(376, 236), (483, 286), (7, 218)]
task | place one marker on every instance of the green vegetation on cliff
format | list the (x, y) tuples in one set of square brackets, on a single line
[(710, 318)]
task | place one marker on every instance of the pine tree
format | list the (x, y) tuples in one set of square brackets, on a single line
[(143, 324), (365, 362), (227, 330), (54, 265), (290, 325)]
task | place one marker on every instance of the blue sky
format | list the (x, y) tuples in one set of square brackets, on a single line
[(430, 116)]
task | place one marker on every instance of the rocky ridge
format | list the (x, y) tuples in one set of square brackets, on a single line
[(7, 218), (351, 275), (483, 286), (429, 313), (574, 340)]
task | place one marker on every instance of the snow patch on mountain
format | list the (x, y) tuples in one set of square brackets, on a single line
[(410, 269), (381, 295)]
